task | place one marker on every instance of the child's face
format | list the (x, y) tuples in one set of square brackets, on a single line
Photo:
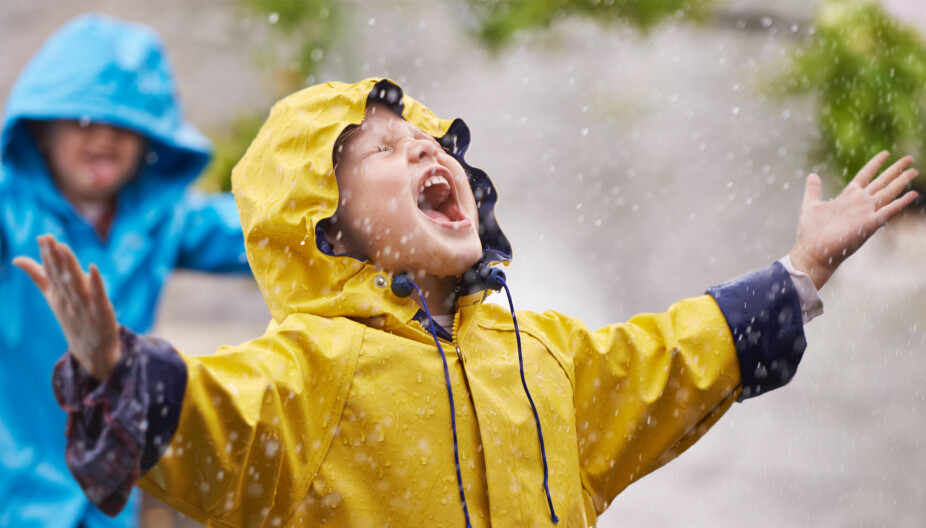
[(90, 162), (405, 203)]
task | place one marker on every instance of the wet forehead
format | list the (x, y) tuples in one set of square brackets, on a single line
[(382, 123)]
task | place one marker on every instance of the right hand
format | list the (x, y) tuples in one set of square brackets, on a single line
[(829, 231), (80, 303)]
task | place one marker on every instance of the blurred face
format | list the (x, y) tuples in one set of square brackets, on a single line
[(405, 203), (90, 162)]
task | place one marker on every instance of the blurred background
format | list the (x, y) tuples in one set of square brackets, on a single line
[(643, 152)]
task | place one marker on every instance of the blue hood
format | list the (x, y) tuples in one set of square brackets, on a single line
[(100, 69)]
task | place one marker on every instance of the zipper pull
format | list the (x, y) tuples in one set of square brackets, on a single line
[(460, 354)]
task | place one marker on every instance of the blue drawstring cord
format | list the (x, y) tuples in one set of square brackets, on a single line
[(496, 278), (402, 286)]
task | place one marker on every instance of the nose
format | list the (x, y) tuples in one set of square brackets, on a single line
[(420, 149), (106, 134)]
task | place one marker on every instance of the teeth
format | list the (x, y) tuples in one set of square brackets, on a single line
[(433, 180)]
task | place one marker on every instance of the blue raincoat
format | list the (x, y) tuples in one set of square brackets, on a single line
[(103, 70)]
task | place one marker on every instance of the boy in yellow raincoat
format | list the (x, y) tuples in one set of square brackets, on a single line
[(386, 392)]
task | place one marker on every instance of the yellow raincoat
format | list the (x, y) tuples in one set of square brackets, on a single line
[(339, 415)]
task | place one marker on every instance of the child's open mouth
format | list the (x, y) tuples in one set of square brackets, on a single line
[(437, 199), (104, 170)]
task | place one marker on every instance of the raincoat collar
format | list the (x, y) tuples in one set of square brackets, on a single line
[(285, 187), (100, 69)]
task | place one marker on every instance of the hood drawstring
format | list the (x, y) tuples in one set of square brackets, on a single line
[(402, 286), (494, 278)]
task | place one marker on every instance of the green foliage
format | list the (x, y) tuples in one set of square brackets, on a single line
[(500, 19), (230, 146), (869, 72), (309, 25), (300, 34)]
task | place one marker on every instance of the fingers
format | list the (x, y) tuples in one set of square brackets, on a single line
[(813, 190), (895, 187), (890, 210), (101, 303), (77, 281), (890, 175), (34, 270), (870, 169), (63, 274), (52, 271)]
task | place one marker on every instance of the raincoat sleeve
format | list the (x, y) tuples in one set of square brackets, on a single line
[(231, 439), (647, 389), (256, 422), (3, 221), (211, 239)]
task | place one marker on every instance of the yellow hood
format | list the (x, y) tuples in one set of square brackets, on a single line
[(285, 186)]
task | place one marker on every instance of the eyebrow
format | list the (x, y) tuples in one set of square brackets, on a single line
[(398, 127)]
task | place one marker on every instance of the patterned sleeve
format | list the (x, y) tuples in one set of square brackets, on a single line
[(119, 428)]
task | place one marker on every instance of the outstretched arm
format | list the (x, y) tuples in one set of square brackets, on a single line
[(211, 239), (830, 231), (120, 424), (80, 303)]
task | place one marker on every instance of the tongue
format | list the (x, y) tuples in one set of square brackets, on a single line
[(103, 172), (434, 214)]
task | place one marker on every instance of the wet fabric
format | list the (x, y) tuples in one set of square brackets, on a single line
[(339, 415), (121, 427), (94, 69), (765, 317)]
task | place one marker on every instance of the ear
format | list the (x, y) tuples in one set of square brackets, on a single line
[(336, 245), (334, 235)]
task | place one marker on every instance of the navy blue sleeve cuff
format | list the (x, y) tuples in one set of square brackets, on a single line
[(165, 380), (763, 312)]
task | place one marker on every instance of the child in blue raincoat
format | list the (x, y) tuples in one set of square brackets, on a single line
[(95, 150)]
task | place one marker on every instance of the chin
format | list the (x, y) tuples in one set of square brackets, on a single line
[(437, 265), (458, 265)]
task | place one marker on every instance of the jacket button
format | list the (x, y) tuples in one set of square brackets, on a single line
[(379, 281)]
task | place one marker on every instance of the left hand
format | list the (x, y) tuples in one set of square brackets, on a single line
[(80, 303), (830, 231)]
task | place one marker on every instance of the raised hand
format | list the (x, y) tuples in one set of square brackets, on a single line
[(830, 231), (80, 303)]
